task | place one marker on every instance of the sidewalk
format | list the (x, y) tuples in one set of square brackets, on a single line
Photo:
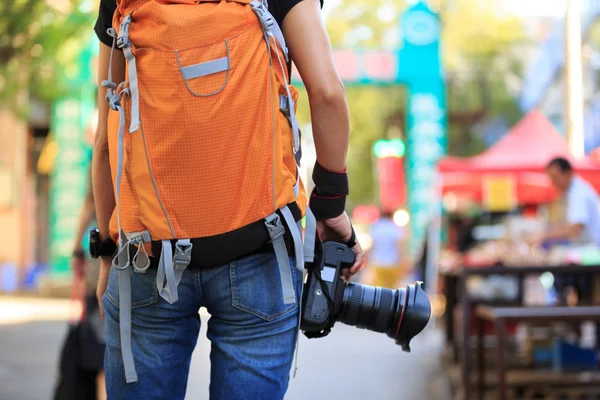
[(350, 364), (19, 310)]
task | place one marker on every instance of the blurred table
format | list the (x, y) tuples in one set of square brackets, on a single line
[(501, 316), (455, 284)]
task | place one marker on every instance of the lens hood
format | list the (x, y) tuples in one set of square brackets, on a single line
[(415, 314)]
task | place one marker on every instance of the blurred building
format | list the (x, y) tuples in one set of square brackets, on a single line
[(23, 196), (544, 83)]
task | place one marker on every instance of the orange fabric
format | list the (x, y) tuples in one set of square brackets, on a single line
[(213, 153)]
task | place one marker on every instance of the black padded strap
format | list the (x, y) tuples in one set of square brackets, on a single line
[(325, 207), (330, 183)]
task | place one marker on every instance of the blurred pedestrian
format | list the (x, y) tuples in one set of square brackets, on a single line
[(388, 258), (82, 356)]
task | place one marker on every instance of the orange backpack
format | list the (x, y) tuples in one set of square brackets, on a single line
[(203, 137)]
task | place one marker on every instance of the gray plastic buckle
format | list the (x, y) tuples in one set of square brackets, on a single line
[(265, 18), (183, 256), (123, 37), (145, 235), (274, 226), (284, 104)]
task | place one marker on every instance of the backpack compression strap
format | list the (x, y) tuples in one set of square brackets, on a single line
[(303, 252), (170, 267), (273, 31)]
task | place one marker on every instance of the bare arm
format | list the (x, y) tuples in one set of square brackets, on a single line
[(104, 195), (564, 232), (310, 49), (86, 217), (101, 173)]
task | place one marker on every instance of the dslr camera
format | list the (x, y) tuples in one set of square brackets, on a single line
[(401, 313)]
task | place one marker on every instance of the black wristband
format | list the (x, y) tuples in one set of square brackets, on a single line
[(330, 183), (325, 207)]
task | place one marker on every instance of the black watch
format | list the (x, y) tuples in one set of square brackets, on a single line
[(101, 248)]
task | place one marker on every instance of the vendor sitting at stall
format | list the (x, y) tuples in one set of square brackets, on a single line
[(581, 226), (582, 206)]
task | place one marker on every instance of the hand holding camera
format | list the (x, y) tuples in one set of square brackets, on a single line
[(339, 229), (401, 313)]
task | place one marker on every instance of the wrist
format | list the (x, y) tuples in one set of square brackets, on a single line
[(78, 253), (328, 199)]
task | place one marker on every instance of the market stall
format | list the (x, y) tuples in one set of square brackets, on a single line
[(511, 174), (509, 185)]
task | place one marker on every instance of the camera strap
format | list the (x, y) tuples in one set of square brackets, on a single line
[(315, 335)]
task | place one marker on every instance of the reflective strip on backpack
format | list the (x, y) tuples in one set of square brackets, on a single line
[(276, 231), (205, 68)]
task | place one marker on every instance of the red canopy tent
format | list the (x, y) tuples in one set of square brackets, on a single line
[(522, 154)]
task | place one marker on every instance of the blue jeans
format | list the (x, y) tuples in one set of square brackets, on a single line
[(252, 332)]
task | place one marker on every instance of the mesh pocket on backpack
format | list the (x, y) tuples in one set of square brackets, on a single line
[(205, 70)]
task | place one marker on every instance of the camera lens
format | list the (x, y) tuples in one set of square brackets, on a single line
[(401, 314)]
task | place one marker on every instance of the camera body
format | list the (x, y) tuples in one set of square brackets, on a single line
[(319, 311), (399, 313)]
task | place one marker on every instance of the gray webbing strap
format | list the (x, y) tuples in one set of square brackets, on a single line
[(166, 272), (276, 231), (299, 325), (205, 68), (269, 24), (272, 30), (310, 236), (171, 268), (124, 269), (279, 36), (296, 236), (182, 258), (284, 105), (297, 187), (124, 43), (121, 262)]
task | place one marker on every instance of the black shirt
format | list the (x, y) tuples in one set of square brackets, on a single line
[(279, 9)]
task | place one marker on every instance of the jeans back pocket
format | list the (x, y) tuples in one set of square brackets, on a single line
[(256, 286), (143, 288)]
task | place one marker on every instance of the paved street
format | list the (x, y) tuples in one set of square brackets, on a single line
[(349, 364)]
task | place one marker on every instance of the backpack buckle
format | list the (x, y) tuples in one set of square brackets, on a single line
[(183, 256), (274, 227), (264, 16), (123, 36)]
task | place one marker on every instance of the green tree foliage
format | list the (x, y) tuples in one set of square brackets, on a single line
[(479, 45), (39, 44)]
